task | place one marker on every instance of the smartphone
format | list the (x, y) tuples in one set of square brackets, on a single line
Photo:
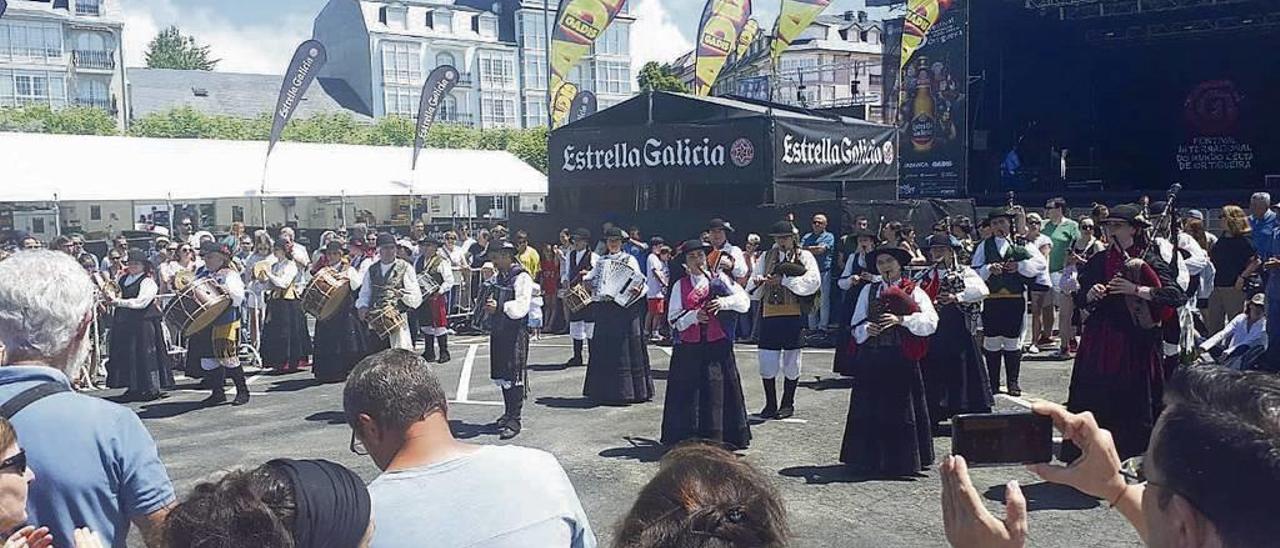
[(993, 439)]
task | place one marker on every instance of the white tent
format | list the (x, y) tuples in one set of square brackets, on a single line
[(42, 168)]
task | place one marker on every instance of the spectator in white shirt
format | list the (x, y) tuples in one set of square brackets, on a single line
[(1244, 338)]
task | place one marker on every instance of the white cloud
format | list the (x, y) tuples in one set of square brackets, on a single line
[(263, 48), (655, 35)]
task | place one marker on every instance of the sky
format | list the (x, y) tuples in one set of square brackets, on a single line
[(259, 36)]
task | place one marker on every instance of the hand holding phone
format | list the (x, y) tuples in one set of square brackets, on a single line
[(993, 439)]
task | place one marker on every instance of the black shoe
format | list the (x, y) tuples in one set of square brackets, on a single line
[(788, 407), (509, 429), (770, 410), (512, 401), (444, 357), (1013, 369), (430, 353), (216, 380), (242, 386), (575, 361), (1014, 389), (218, 397)]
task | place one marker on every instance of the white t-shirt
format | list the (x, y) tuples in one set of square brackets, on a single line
[(654, 287)]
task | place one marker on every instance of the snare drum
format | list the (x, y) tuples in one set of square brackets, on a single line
[(577, 298), (197, 306), (428, 284), (385, 321), (325, 294)]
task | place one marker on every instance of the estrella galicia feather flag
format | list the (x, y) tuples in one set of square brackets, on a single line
[(584, 105), (3, 4), (439, 83), (307, 62)]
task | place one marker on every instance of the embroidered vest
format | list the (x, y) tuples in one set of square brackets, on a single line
[(1008, 285), (894, 299), (692, 298), (383, 284), (778, 301)]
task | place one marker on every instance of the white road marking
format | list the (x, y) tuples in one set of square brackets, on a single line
[(470, 402), (793, 421), (464, 381)]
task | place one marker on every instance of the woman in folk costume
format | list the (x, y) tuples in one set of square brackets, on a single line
[(858, 272), (955, 380), (286, 344), (1127, 291), (433, 313), (887, 431), (341, 339), (704, 391), (618, 367), (788, 278), (139, 354), (216, 348)]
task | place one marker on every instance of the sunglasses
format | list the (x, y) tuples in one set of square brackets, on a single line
[(357, 446), (1086, 227), (17, 462)]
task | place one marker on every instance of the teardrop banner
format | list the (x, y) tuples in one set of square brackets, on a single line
[(438, 85), (584, 105), (3, 5), (722, 23), (578, 24), (793, 17), (307, 62)]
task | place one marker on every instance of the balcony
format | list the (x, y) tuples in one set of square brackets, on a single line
[(90, 59), (461, 118), (464, 79), (96, 102), (89, 7)]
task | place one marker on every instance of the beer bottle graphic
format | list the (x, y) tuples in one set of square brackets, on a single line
[(922, 109)]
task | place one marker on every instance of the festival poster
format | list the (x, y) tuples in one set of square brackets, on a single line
[(437, 86), (1216, 144), (578, 24), (307, 61), (722, 22), (933, 100), (750, 32), (793, 18)]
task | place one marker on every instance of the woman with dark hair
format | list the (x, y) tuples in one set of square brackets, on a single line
[(286, 344), (139, 355), (340, 339), (1235, 261), (704, 497), (284, 503)]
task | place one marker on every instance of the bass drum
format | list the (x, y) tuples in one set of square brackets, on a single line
[(197, 306), (326, 293)]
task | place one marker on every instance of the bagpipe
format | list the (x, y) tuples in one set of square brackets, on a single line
[(894, 299)]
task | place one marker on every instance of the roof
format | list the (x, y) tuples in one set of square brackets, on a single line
[(128, 168), (234, 94), (686, 108)]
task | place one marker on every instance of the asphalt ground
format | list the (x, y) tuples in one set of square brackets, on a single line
[(611, 452)]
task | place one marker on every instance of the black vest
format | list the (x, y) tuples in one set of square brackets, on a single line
[(504, 291), (131, 291)]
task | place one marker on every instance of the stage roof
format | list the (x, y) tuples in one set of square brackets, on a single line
[(40, 167)]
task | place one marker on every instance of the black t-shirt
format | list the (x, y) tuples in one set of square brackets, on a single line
[(479, 254), (1229, 256)]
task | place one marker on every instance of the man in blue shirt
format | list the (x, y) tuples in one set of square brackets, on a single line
[(1266, 240), (96, 466), (822, 245)]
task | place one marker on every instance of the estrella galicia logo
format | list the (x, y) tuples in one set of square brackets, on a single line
[(742, 152), (888, 152)]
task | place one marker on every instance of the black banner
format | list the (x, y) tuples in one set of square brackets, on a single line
[(827, 151), (933, 114), (584, 105), (726, 152), (4, 4), (307, 62), (439, 83)]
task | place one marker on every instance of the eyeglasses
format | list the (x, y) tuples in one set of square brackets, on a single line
[(17, 462), (357, 446), (1086, 227)]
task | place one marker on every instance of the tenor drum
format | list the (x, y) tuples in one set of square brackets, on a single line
[(428, 284), (197, 306), (385, 321), (325, 295), (577, 298)]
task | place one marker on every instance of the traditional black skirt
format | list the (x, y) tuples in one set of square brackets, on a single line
[(509, 351), (888, 431), (780, 332), (955, 379), (341, 341), (139, 355), (285, 340), (618, 367), (704, 396)]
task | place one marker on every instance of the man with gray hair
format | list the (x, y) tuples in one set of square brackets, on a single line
[(1266, 241), (99, 467), (399, 417)]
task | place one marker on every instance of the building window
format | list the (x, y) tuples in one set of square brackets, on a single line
[(445, 58), (498, 111), (89, 7), (382, 15), (237, 214), (533, 35), (401, 63), (22, 87), (497, 71), (535, 71), (613, 78), (37, 225), (443, 21), (401, 100), (30, 43), (448, 109), (615, 41), (535, 111), (95, 213), (877, 80)]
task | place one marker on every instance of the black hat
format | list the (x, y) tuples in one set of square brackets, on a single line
[(385, 239), (719, 224), (429, 240), (1127, 213), (998, 213), (334, 247), (691, 245), (898, 253), (582, 234), (943, 240), (614, 233), (136, 256), (782, 228), (862, 233), (657, 241), (214, 247), (502, 246)]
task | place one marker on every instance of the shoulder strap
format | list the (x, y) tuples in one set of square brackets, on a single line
[(30, 396)]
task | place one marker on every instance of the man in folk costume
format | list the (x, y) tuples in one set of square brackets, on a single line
[(955, 380), (858, 272), (724, 255), (887, 431), (1008, 265), (433, 313), (1127, 290), (704, 390), (509, 335), (217, 346), (390, 286), (786, 276), (578, 262), (341, 339), (618, 370)]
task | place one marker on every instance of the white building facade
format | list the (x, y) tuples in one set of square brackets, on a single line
[(63, 53)]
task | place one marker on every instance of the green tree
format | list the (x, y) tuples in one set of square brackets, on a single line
[(173, 50), (660, 77)]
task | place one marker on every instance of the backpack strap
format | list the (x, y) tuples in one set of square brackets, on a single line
[(29, 396)]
